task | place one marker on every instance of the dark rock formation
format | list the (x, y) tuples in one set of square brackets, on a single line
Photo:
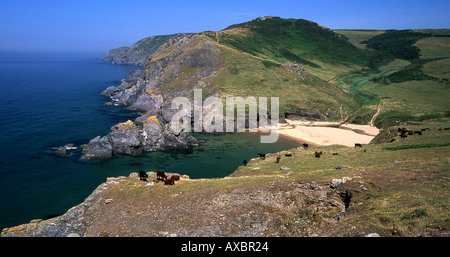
[(305, 113), (99, 147), (131, 139)]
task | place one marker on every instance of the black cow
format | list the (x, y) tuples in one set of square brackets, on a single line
[(358, 145), (305, 146), (143, 175), (262, 156), (318, 154), (245, 163)]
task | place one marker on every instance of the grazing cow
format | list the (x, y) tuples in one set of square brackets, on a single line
[(410, 133), (418, 133), (175, 177), (262, 156), (317, 154), (245, 163), (305, 146), (403, 136), (358, 145), (169, 181), (278, 159), (402, 130), (288, 155), (143, 175), (335, 153), (160, 175), (446, 128)]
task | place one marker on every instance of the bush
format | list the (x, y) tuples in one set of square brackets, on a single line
[(416, 213)]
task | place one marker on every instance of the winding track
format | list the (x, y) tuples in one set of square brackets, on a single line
[(376, 114)]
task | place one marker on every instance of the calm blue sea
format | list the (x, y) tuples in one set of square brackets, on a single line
[(50, 100)]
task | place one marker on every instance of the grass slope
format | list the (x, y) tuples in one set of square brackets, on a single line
[(410, 74), (246, 75), (283, 40)]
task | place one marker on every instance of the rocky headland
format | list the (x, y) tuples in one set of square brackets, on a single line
[(138, 53), (150, 91)]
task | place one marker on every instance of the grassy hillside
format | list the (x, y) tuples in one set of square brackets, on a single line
[(411, 76), (302, 41), (246, 75), (357, 37)]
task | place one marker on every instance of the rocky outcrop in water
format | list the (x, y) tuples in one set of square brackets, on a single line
[(135, 139)]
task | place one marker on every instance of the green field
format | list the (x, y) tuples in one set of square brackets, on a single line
[(414, 84)]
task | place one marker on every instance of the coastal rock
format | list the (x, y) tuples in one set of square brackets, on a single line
[(125, 139), (305, 113), (99, 147), (135, 139)]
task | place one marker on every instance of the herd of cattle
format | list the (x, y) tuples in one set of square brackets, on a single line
[(161, 176), (404, 133)]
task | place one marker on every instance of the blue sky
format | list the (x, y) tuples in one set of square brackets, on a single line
[(97, 26)]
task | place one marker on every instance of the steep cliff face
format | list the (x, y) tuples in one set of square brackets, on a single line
[(138, 53), (174, 70)]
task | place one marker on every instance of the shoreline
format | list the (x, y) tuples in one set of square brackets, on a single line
[(327, 133)]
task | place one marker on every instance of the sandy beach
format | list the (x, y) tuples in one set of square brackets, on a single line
[(327, 133)]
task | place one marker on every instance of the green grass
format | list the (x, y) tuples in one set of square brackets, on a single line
[(438, 68), (285, 40), (415, 88), (357, 36), (434, 47), (402, 147), (246, 75), (397, 44)]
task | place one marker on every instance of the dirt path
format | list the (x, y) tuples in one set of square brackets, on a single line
[(376, 114), (217, 37)]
